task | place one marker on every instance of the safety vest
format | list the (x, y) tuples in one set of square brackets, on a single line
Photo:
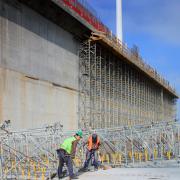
[(91, 145), (67, 144)]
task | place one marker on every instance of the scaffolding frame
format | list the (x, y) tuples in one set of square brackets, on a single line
[(114, 93), (128, 112), (145, 145), (31, 154)]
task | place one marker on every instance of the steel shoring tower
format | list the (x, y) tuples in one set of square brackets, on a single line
[(87, 55), (114, 94)]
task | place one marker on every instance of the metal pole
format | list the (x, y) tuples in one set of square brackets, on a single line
[(119, 30), (132, 143), (1, 160)]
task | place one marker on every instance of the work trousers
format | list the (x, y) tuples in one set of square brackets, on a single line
[(91, 156), (64, 158)]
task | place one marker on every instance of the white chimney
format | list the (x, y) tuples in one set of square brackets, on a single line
[(119, 30)]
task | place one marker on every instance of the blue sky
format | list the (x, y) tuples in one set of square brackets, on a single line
[(152, 25)]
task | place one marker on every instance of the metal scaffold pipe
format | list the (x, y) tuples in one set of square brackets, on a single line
[(32, 153)]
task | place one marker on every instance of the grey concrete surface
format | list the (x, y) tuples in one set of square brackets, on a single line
[(33, 45), (134, 174), (32, 103)]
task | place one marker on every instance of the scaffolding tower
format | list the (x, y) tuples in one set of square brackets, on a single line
[(115, 93)]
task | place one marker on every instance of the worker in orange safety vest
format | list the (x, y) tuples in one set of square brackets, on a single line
[(93, 144)]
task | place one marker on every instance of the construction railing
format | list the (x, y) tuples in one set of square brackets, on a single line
[(136, 59), (85, 11)]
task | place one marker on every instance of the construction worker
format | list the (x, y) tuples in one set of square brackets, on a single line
[(93, 144), (66, 153)]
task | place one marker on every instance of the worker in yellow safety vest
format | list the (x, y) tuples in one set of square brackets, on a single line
[(66, 153)]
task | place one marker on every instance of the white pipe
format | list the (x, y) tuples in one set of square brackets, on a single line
[(119, 31)]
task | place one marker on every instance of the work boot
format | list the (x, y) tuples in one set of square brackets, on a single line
[(53, 176), (63, 174), (74, 177), (84, 170), (61, 177)]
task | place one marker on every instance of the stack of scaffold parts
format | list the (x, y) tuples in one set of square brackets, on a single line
[(31, 154)]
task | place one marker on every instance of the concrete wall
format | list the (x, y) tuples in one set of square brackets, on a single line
[(32, 103), (33, 46)]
